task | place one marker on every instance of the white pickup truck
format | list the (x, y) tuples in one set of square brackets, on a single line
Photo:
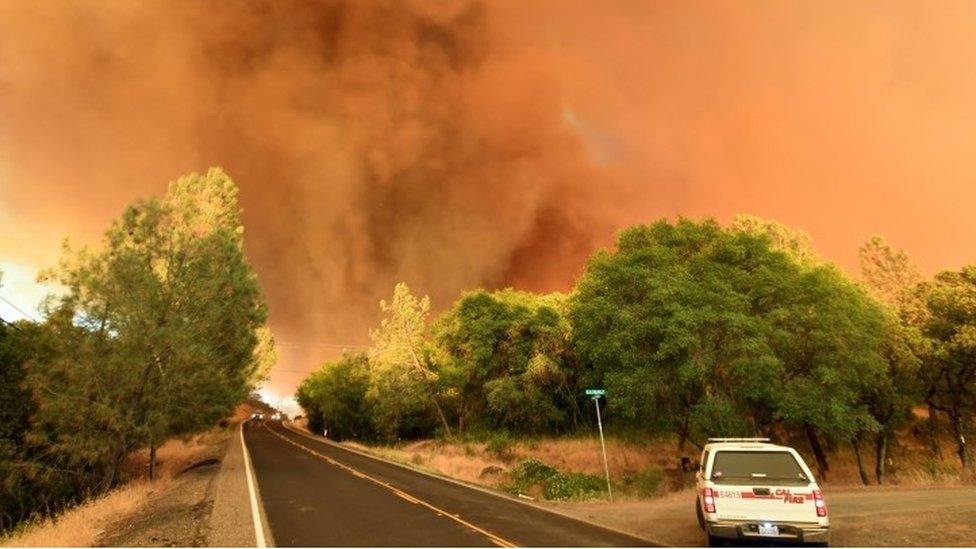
[(749, 489)]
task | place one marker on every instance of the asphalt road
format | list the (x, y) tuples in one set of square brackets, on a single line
[(318, 494)]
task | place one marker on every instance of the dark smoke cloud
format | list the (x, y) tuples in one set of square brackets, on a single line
[(453, 145), (374, 142)]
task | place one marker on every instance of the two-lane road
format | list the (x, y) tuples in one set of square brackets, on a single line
[(318, 494)]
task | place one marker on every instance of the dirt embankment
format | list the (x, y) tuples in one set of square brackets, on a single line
[(910, 463), (174, 509), (169, 510)]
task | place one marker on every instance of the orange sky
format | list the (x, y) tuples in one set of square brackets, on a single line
[(463, 145)]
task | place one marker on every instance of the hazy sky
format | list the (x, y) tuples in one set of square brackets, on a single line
[(464, 145)]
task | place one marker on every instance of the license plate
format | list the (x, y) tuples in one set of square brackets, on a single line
[(768, 530)]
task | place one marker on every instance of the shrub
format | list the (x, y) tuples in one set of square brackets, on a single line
[(573, 486), (646, 483), (529, 473), (555, 485), (501, 445)]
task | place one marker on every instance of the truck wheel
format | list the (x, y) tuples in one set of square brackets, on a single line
[(698, 512), (715, 541)]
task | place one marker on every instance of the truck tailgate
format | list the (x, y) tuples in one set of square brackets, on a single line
[(786, 504)]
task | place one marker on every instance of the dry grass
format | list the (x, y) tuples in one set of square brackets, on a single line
[(177, 454), (911, 463), (82, 525), (469, 461), (583, 455)]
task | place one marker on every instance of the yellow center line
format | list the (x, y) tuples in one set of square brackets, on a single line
[(400, 493)]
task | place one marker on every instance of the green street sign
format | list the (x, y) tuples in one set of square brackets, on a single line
[(596, 392)]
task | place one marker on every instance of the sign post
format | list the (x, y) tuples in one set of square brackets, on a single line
[(596, 394)]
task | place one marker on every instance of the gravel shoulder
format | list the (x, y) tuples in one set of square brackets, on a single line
[(205, 505), (859, 517), (176, 516)]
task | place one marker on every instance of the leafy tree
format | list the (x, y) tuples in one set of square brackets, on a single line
[(401, 403), (15, 401), (793, 242), (664, 323), (16, 406), (159, 326), (689, 324), (891, 277), (31, 479), (830, 336), (402, 369), (950, 368), (335, 397), (507, 358)]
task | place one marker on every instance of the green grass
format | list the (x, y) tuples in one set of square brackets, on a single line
[(502, 446), (645, 484)]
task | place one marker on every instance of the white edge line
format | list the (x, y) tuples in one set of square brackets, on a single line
[(465, 484), (255, 513)]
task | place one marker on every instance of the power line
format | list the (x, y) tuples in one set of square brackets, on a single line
[(18, 309), (11, 324), (319, 344)]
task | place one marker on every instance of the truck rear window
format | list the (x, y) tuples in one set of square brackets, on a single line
[(735, 467)]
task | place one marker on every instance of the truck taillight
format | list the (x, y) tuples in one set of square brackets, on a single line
[(818, 500), (708, 498)]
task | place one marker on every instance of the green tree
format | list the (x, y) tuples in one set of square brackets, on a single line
[(949, 372), (163, 323), (402, 372), (705, 331), (890, 274), (335, 397), (506, 357), (16, 406), (830, 336), (664, 324), (789, 240), (891, 277)]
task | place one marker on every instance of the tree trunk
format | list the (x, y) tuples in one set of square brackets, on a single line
[(934, 433), (961, 443), (440, 412), (881, 455), (860, 462), (433, 391), (818, 451), (112, 468), (683, 432), (152, 461)]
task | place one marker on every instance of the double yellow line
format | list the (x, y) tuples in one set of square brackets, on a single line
[(396, 491)]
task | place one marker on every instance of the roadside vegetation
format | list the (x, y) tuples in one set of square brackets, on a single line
[(84, 524), (695, 330), (158, 332)]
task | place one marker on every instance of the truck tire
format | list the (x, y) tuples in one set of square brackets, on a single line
[(698, 512), (715, 541)]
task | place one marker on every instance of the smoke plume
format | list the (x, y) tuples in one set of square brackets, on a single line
[(374, 142), (456, 145)]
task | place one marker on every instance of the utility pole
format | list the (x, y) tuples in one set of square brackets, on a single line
[(596, 394)]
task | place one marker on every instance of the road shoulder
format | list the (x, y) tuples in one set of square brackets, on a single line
[(232, 523), (177, 514)]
